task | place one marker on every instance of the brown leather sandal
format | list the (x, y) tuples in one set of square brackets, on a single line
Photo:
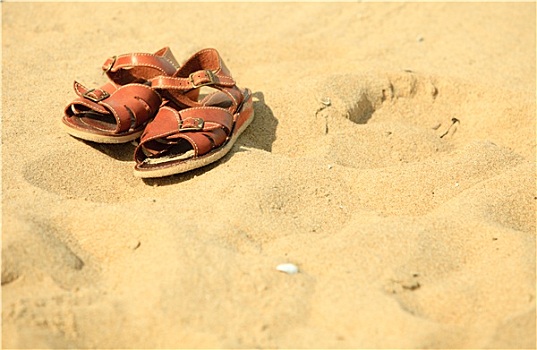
[(118, 111), (193, 130)]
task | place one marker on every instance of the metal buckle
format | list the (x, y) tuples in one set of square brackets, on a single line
[(107, 69), (93, 98), (210, 75), (198, 124)]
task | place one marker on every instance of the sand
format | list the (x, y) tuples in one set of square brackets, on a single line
[(392, 159)]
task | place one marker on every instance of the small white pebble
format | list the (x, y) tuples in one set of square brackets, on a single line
[(330, 166), (456, 184), (288, 268)]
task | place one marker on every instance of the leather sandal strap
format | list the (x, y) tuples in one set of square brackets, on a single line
[(203, 127), (205, 119), (204, 68), (203, 142), (169, 121), (162, 60), (131, 105), (195, 80)]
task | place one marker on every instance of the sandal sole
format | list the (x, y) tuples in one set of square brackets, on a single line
[(188, 165), (89, 136)]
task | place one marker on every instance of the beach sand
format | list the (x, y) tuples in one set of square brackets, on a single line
[(392, 159)]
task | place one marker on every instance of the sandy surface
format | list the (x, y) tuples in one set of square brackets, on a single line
[(409, 230)]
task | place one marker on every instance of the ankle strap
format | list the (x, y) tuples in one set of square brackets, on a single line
[(195, 80), (161, 62)]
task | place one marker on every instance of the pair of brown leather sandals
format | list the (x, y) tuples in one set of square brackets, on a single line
[(186, 116)]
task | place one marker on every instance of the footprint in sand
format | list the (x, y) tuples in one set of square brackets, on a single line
[(80, 170), (445, 277), (36, 251), (380, 120), (366, 120), (44, 280)]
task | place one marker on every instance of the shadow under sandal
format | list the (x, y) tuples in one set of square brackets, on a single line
[(118, 111), (193, 129)]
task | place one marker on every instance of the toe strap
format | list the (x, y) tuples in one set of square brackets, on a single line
[(130, 105), (204, 128)]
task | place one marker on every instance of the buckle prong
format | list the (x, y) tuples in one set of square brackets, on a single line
[(93, 98), (197, 124), (210, 75), (107, 69)]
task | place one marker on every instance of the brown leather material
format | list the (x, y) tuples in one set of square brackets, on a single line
[(199, 127), (125, 104), (245, 112), (130, 67), (203, 127), (195, 80), (130, 106), (204, 68)]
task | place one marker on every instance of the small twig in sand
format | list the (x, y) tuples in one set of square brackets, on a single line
[(326, 102), (453, 122)]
